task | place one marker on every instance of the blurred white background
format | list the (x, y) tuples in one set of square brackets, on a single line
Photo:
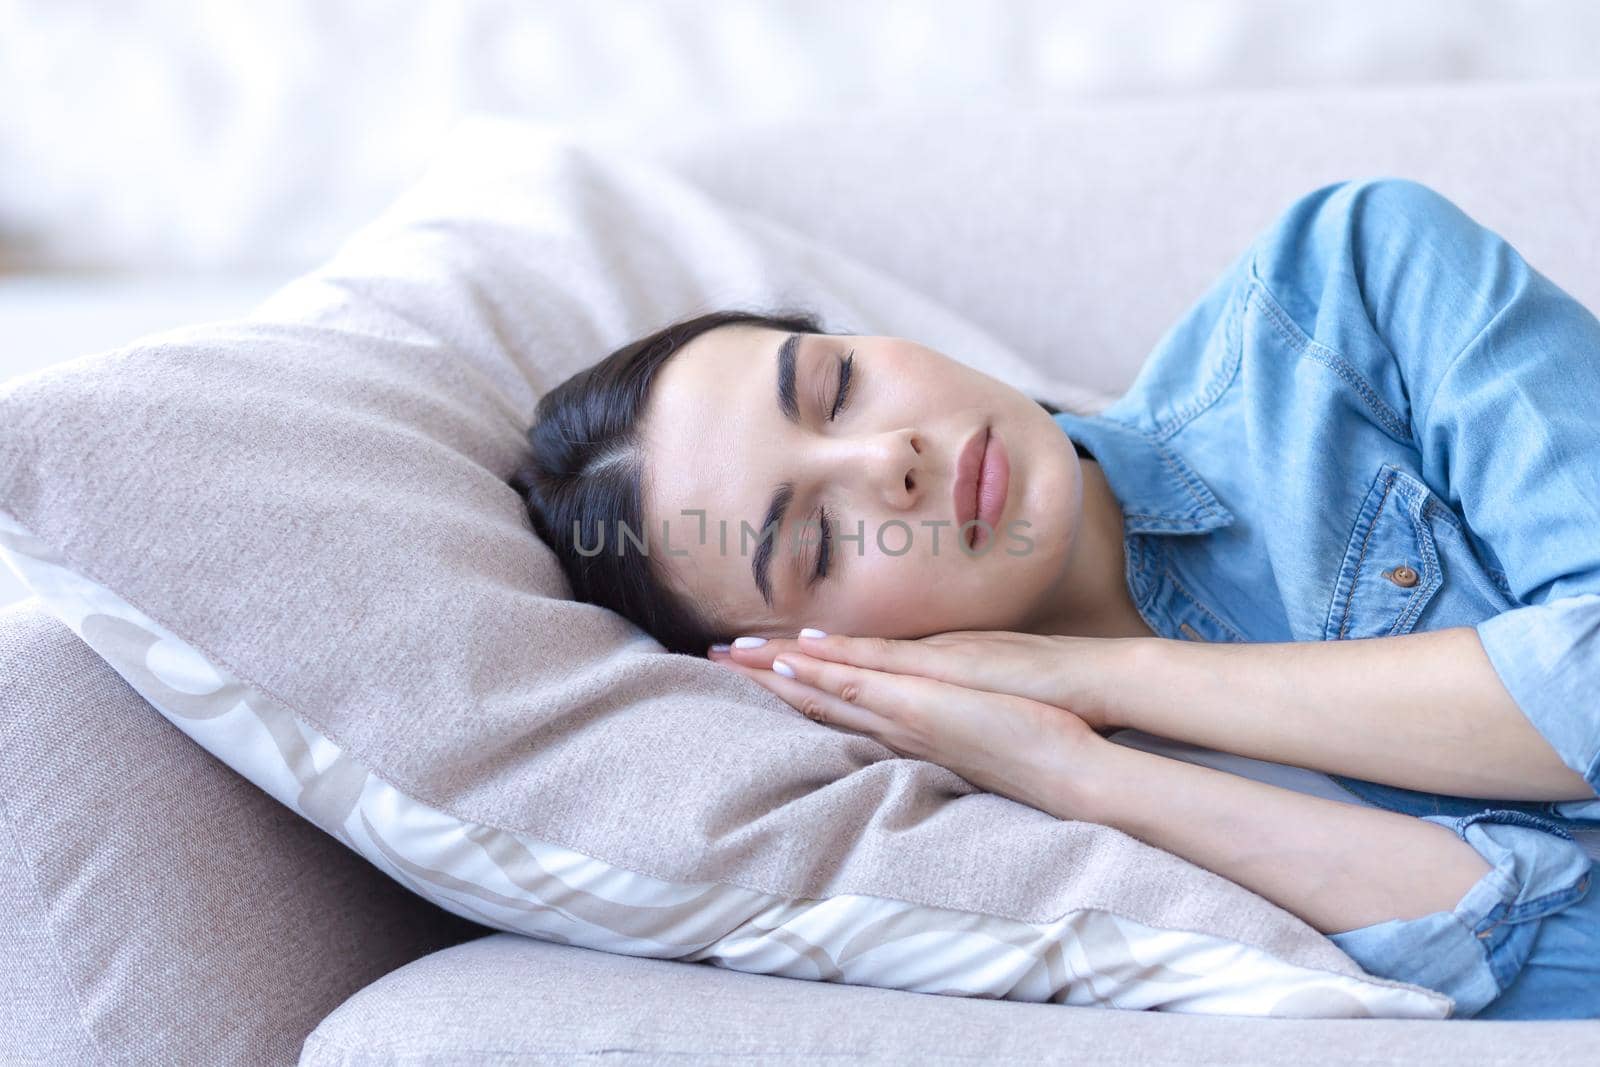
[(208, 135), (164, 162)]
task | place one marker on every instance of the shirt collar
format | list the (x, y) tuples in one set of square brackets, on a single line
[(1158, 491)]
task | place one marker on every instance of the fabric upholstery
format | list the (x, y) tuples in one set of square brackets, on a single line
[(39, 1015), (1078, 234), (155, 907), (510, 999)]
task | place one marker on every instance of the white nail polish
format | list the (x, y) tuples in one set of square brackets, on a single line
[(719, 648), (811, 631), (783, 668), (749, 642)]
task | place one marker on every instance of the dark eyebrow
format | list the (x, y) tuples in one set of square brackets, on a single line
[(776, 510), (778, 506), (786, 374)]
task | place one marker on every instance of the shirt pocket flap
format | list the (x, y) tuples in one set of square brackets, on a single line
[(1390, 569)]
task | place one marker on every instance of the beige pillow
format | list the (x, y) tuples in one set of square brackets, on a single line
[(293, 535)]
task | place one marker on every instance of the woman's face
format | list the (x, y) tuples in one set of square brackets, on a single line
[(720, 438)]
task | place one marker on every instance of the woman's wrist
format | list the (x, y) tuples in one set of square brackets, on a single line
[(1102, 681), (1098, 780), (1070, 782)]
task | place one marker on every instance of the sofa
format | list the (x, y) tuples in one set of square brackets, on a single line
[(139, 926)]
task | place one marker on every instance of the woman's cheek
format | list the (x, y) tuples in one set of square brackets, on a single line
[(885, 602)]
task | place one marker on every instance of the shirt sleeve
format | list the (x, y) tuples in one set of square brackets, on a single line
[(1501, 371)]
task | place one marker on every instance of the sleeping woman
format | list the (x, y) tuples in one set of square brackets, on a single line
[(1336, 549)]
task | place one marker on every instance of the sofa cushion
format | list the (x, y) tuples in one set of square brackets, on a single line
[(509, 999), (293, 534), (155, 907)]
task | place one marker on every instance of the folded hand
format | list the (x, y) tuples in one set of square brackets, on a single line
[(1014, 745), (1076, 674)]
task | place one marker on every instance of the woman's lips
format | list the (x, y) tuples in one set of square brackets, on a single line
[(993, 484), (983, 475), (969, 472)]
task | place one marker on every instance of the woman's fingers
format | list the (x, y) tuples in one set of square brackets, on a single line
[(874, 653), (1082, 675), (755, 655), (814, 702), (890, 707), (895, 655), (998, 661), (1017, 747), (847, 684), (855, 697)]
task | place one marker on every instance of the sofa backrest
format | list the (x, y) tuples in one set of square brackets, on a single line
[(1123, 211)]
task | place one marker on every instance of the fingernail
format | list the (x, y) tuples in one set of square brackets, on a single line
[(749, 642), (783, 668), (811, 631), (719, 648)]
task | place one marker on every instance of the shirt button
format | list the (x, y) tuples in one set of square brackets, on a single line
[(1402, 576)]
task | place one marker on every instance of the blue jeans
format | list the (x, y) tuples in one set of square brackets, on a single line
[(1522, 943)]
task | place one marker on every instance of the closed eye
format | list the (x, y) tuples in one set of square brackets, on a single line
[(824, 551), (842, 397), (840, 400)]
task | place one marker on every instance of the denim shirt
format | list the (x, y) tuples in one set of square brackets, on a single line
[(1379, 419)]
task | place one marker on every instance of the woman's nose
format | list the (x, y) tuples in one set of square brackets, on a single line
[(894, 468)]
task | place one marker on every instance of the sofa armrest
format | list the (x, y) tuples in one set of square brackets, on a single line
[(155, 906)]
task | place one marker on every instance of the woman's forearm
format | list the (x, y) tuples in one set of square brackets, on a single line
[(1423, 711), (1337, 866)]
